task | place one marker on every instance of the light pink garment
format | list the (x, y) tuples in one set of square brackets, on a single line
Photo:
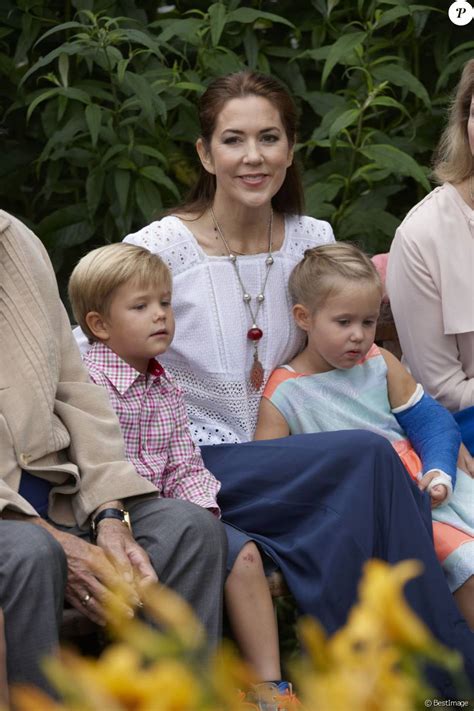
[(430, 282), (380, 262)]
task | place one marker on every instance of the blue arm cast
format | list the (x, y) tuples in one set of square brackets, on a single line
[(434, 434)]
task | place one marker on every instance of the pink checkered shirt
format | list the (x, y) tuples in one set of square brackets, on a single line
[(154, 423)]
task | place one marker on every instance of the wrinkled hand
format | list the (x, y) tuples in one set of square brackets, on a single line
[(128, 558), (466, 461), (90, 572), (438, 493)]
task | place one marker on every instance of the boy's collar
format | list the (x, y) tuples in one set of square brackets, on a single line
[(116, 370), (155, 368)]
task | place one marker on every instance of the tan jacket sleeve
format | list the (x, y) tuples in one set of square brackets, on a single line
[(61, 425)]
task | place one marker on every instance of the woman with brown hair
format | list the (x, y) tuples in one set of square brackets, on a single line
[(430, 281), (317, 506)]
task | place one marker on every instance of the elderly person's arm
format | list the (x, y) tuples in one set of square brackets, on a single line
[(432, 356), (49, 406)]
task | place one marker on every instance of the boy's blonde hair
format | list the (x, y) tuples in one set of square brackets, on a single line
[(98, 274), (322, 268)]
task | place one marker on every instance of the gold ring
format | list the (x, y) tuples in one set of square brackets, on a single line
[(85, 599)]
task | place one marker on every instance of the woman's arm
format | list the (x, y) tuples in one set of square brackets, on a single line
[(432, 356), (270, 423)]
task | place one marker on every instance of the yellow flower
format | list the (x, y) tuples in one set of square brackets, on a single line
[(364, 665), (173, 613), (120, 681), (381, 592)]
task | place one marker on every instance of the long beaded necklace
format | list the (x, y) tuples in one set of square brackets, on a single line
[(254, 334)]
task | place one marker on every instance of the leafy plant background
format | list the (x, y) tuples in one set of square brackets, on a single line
[(98, 106)]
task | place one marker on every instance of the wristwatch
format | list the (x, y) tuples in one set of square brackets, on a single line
[(119, 514)]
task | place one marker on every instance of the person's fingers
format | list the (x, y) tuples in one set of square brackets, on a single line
[(438, 494), (112, 539), (141, 564), (438, 491), (127, 554)]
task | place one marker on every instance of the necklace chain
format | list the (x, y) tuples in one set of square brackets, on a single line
[(255, 333)]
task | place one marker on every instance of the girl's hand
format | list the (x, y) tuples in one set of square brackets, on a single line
[(438, 493), (466, 461)]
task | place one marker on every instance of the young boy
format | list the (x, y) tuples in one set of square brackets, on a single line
[(121, 297)]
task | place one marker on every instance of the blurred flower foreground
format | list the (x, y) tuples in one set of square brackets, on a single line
[(374, 663)]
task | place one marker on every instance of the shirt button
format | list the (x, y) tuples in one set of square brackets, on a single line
[(24, 459)]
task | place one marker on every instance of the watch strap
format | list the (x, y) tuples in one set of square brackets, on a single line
[(118, 514)]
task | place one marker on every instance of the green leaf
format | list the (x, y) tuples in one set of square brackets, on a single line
[(251, 47), (331, 5), (66, 227), (347, 118), (155, 174), (190, 86), (319, 195), (355, 222), (112, 152), (138, 85), (217, 16), (122, 68), (70, 48), (246, 15), (144, 39), (63, 65), (122, 185), (186, 30), (148, 199), (93, 120), (152, 152), (400, 163), (340, 50), (44, 96), (61, 28), (322, 102), (94, 189), (76, 94), (395, 74), (392, 15)]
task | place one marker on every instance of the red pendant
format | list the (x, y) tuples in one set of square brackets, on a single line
[(254, 334), (256, 373)]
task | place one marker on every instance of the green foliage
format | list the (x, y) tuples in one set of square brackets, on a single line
[(98, 106)]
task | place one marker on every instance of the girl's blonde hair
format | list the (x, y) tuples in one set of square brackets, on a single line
[(453, 159), (97, 276), (322, 269)]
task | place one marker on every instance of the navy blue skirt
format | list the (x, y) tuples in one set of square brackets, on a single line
[(320, 505)]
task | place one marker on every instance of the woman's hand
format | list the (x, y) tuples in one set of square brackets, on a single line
[(438, 493), (466, 461)]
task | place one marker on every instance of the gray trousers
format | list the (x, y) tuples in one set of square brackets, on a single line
[(187, 548)]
